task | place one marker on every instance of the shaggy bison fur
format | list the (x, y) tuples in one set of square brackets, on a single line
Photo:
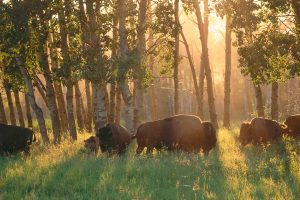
[(14, 139), (293, 125), (260, 131), (92, 143), (180, 132), (113, 138)]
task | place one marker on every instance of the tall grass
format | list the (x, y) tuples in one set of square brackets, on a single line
[(68, 171)]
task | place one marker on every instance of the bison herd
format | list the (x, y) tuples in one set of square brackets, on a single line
[(177, 133), (188, 133)]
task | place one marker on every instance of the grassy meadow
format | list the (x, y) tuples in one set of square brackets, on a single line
[(68, 171)]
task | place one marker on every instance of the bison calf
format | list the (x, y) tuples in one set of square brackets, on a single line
[(113, 138), (14, 139), (92, 143), (260, 130)]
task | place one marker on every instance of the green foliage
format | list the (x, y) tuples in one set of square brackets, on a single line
[(265, 45), (67, 171)]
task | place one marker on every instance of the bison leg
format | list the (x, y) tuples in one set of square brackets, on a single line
[(149, 150), (139, 150)]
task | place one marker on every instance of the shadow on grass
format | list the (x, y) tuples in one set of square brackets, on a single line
[(269, 165)]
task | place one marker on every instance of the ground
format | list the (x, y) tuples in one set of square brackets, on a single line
[(68, 171)]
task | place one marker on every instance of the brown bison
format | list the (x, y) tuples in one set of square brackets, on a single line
[(180, 132), (14, 139), (260, 131), (113, 138), (92, 143), (293, 125)]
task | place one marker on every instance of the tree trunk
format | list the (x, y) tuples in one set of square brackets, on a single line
[(259, 101), (118, 105), (61, 105), (112, 105), (83, 113), (124, 87), (12, 115), (210, 92), (227, 89), (100, 114), (45, 62), (3, 119), (176, 58), (30, 94), (202, 67), (190, 58), (19, 108), (78, 107), (70, 111), (141, 48), (28, 112), (152, 89), (41, 91), (66, 59), (274, 107), (89, 106)]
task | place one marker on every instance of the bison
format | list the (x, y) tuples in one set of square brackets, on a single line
[(293, 125), (113, 138), (14, 139), (260, 131), (180, 132), (92, 143)]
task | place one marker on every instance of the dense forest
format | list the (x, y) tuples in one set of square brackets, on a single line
[(141, 99), (82, 64)]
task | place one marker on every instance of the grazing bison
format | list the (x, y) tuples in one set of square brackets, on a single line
[(14, 139), (92, 143), (113, 138), (260, 130), (180, 132), (293, 125)]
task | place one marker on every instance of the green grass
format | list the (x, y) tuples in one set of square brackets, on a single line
[(228, 172)]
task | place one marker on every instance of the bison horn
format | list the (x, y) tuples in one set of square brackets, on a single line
[(283, 126)]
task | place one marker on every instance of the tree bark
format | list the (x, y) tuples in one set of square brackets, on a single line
[(210, 92), (118, 105), (100, 114), (124, 87), (227, 87), (274, 98), (202, 67), (84, 27), (12, 115), (141, 48), (70, 111), (112, 105), (259, 101), (41, 90), (19, 108), (3, 119), (50, 95), (78, 107), (61, 105), (28, 112), (30, 94), (176, 58), (66, 60), (89, 106), (191, 62)]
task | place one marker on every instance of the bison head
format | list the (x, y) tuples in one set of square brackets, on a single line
[(92, 143), (105, 135), (244, 137)]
